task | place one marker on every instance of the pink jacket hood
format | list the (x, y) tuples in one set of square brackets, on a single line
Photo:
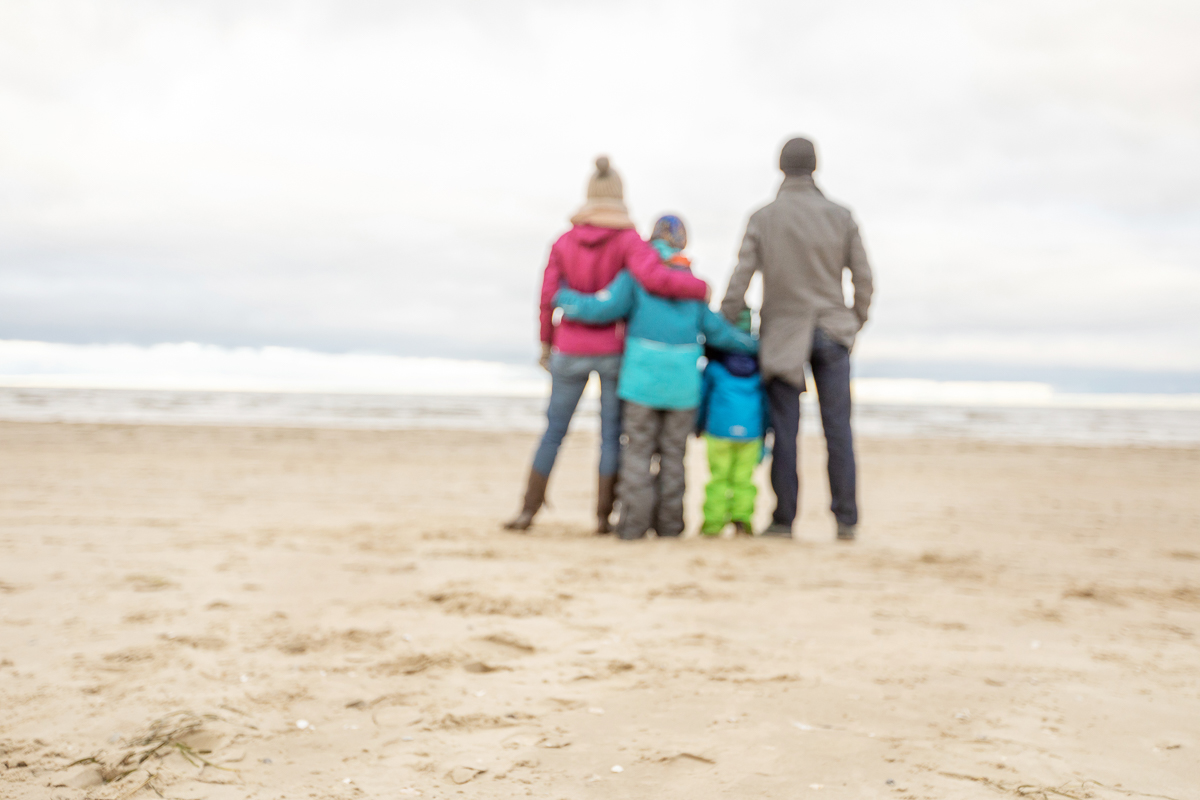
[(590, 235)]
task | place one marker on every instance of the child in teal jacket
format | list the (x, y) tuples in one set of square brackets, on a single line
[(659, 382)]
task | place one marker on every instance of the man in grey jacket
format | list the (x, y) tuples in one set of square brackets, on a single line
[(802, 243)]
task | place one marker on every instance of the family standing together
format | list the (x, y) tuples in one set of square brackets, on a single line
[(632, 312)]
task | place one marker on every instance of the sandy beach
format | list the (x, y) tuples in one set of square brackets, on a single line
[(205, 612)]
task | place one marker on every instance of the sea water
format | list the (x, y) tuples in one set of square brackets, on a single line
[(1094, 423)]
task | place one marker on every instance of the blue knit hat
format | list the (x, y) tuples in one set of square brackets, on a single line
[(670, 229)]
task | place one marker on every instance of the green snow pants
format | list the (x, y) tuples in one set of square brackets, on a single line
[(731, 491)]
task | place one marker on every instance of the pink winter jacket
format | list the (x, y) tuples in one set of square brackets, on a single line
[(586, 259)]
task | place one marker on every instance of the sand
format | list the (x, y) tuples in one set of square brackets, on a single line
[(336, 614)]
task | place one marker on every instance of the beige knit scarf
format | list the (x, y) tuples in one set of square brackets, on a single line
[(603, 212)]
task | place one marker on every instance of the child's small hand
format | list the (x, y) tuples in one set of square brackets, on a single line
[(544, 359)]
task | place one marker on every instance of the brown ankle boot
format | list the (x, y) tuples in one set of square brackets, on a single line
[(604, 503), (535, 495)]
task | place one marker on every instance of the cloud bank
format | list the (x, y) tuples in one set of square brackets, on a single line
[(384, 177)]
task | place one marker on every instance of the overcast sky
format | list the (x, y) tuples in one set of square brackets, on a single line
[(387, 177)]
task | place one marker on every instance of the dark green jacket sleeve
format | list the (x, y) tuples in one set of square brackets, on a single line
[(720, 334)]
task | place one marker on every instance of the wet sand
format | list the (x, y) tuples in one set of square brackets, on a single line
[(1014, 621)]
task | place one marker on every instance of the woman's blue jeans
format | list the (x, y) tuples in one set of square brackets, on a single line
[(568, 375)]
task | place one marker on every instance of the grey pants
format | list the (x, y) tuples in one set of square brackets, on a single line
[(649, 500)]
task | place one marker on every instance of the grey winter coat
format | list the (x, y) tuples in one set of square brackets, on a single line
[(800, 243)]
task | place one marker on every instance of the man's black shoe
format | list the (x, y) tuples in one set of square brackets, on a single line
[(778, 530)]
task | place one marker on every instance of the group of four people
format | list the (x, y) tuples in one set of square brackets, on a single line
[(632, 312)]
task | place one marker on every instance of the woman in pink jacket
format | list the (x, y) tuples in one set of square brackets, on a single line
[(601, 242)]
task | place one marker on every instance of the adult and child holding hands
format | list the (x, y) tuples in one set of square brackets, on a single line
[(632, 312)]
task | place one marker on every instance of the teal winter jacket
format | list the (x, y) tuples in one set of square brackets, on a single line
[(733, 404), (662, 339)]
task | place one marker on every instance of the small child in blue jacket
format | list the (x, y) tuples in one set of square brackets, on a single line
[(659, 382), (733, 417)]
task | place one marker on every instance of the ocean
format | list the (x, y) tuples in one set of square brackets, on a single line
[(197, 384), (1090, 421)]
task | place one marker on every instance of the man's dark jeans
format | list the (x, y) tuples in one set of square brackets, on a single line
[(830, 363)]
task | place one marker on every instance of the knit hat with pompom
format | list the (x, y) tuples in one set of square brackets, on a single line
[(605, 182), (605, 206)]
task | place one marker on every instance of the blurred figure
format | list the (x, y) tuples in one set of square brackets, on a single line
[(801, 243), (601, 243), (733, 419), (659, 381)]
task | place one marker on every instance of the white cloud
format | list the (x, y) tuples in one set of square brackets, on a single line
[(1094, 352), (191, 366), (353, 175)]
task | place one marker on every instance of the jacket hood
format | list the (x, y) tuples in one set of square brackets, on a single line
[(591, 235), (739, 365)]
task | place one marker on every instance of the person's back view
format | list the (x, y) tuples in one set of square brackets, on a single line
[(802, 242), (602, 242), (733, 419)]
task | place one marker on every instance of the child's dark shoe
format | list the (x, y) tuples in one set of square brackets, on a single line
[(742, 528), (846, 533)]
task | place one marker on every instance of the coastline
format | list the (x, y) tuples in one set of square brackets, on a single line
[(958, 412)]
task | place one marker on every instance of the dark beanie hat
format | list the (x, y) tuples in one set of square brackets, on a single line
[(798, 157)]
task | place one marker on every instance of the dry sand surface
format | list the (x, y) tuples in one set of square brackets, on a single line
[(240, 613)]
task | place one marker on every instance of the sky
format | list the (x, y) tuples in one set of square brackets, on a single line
[(386, 178)]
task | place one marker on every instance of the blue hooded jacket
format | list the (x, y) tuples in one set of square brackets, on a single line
[(662, 340), (733, 404)]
